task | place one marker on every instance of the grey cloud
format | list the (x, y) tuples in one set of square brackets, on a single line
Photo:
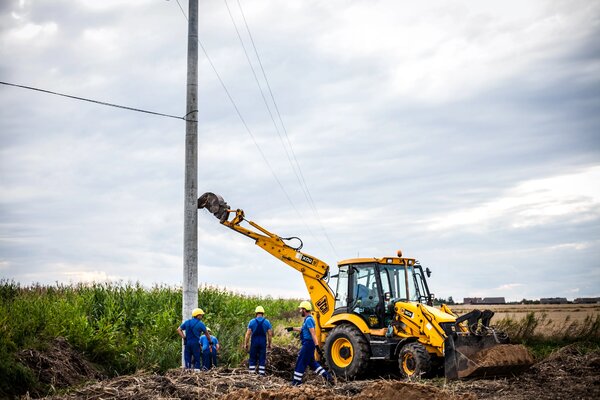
[(96, 189)]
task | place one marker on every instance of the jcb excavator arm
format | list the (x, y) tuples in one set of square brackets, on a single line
[(314, 271)]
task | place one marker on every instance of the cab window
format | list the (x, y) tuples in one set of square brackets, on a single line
[(341, 294), (365, 293)]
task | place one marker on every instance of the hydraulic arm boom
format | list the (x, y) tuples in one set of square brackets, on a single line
[(314, 271)]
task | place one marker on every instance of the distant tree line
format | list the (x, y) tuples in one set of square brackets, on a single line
[(441, 300)]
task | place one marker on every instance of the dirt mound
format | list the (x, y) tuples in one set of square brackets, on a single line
[(569, 373), (504, 354), (391, 390), (60, 365), (281, 361), (499, 360), (286, 393), (570, 359)]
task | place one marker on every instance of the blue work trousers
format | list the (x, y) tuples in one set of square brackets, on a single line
[(191, 355), (258, 355), (306, 358), (214, 357), (206, 359)]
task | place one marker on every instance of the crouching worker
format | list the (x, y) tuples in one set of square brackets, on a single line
[(209, 351), (306, 357), (260, 334), (194, 329)]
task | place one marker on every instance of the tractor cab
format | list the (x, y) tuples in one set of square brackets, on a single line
[(370, 287)]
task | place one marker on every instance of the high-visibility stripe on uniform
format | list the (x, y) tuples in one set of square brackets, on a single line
[(306, 358)]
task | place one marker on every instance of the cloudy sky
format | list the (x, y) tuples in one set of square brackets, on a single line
[(465, 133)]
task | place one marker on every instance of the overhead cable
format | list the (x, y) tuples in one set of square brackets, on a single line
[(299, 174), (264, 157), (104, 103)]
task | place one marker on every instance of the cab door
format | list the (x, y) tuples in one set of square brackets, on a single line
[(365, 297)]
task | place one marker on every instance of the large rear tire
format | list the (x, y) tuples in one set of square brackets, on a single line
[(347, 352), (414, 360)]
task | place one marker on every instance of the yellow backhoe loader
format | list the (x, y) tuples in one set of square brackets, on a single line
[(383, 310)]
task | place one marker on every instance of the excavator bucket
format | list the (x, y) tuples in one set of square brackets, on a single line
[(469, 356)]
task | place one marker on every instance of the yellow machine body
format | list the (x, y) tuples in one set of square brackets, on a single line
[(406, 327)]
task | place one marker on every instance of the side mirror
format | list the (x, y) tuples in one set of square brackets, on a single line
[(428, 272)]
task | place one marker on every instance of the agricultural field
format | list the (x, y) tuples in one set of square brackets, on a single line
[(552, 318)]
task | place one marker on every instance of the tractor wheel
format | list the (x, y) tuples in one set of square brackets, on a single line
[(347, 352), (414, 361)]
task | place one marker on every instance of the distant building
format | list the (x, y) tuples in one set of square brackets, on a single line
[(485, 300), (554, 300), (471, 300), (587, 300), (493, 300)]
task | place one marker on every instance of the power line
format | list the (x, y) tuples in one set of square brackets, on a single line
[(255, 77), (95, 101), (299, 174), (264, 157), (262, 93)]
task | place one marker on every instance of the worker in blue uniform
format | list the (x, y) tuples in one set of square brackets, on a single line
[(306, 357), (194, 328), (209, 350), (259, 334), (216, 347)]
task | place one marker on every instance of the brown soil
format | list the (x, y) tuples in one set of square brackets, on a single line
[(500, 360), (224, 384), (504, 354), (392, 390), (567, 373), (281, 361), (60, 365)]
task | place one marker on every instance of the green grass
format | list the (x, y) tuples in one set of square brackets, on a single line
[(121, 327)]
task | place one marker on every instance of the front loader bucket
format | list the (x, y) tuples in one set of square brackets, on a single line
[(468, 356)]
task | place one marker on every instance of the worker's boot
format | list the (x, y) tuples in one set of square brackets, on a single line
[(330, 379)]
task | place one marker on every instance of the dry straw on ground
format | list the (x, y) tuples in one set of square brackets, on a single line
[(567, 373), (225, 384)]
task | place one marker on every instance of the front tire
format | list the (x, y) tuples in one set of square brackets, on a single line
[(347, 352), (414, 361)]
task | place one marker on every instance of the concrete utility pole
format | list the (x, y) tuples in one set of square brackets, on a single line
[(190, 223)]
